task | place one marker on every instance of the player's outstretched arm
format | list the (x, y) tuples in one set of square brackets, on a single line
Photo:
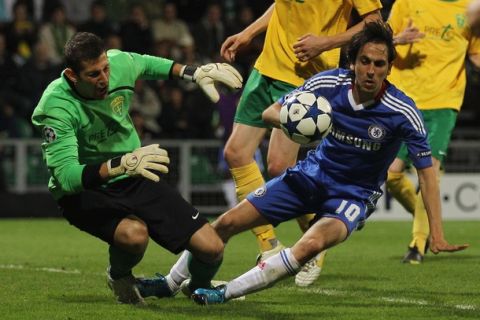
[(309, 46), (235, 42), (207, 75), (475, 60), (431, 198), (144, 161), (473, 17)]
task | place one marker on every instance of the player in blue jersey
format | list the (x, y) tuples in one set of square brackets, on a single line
[(340, 180)]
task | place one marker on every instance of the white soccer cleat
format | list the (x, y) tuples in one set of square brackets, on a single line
[(310, 271), (125, 290), (185, 289)]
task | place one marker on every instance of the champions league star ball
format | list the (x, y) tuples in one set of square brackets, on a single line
[(305, 118)]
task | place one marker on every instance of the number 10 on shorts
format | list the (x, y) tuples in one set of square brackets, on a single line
[(349, 209)]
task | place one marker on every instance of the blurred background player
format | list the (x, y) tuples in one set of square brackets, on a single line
[(432, 72), (105, 183), (340, 181), (302, 38)]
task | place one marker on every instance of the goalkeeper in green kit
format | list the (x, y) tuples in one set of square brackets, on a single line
[(105, 183)]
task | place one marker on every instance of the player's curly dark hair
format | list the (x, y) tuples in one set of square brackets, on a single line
[(83, 46), (377, 32)]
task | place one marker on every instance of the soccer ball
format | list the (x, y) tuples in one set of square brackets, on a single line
[(305, 118)]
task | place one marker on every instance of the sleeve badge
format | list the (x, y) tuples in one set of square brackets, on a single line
[(49, 134)]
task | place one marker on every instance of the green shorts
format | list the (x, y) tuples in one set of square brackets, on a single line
[(439, 124), (259, 93)]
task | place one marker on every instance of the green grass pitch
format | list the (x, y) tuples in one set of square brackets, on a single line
[(50, 270)]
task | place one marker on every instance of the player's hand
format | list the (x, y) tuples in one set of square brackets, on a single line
[(232, 44), (409, 35), (473, 17), (206, 76), (309, 46), (441, 245), (140, 162)]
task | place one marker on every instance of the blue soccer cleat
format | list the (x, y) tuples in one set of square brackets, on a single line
[(210, 296), (154, 287)]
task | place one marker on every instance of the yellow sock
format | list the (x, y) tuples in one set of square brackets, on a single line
[(321, 258), (402, 189), (266, 238), (304, 221), (247, 179), (421, 229)]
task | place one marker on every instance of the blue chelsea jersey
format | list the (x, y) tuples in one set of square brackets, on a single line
[(365, 138)]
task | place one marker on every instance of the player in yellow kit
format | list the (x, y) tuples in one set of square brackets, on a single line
[(432, 72), (302, 39)]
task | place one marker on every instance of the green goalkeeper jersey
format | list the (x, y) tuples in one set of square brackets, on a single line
[(78, 131)]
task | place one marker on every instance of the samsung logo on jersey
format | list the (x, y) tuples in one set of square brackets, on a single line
[(355, 141)]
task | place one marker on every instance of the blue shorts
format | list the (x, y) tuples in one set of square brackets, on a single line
[(278, 202)]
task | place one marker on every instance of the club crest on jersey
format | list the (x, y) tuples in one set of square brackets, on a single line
[(260, 192), (376, 132), (460, 20), (117, 105), (49, 134)]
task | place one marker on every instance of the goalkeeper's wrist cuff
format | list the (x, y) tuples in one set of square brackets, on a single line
[(115, 167), (187, 72), (91, 176)]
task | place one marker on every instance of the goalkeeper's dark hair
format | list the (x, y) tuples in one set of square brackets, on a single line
[(377, 32), (83, 46)]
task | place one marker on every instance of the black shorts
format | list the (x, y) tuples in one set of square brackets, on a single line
[(170, 219)]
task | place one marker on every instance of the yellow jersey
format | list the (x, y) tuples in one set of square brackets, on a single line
[(432, 71), (292, 19)]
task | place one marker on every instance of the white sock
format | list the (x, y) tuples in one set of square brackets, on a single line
[(264, 275), (179, 272)]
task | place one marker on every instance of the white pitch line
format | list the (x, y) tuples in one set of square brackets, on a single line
[(340, 293), (465, 307), (22, 267), (405, 301)]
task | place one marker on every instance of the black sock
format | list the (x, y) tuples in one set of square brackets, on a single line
[(122, 262), (201, 273)]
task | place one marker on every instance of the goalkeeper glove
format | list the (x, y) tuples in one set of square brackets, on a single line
[(140, 162), (206, 75)]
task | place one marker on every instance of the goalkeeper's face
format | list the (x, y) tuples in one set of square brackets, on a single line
[(92, 81)]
